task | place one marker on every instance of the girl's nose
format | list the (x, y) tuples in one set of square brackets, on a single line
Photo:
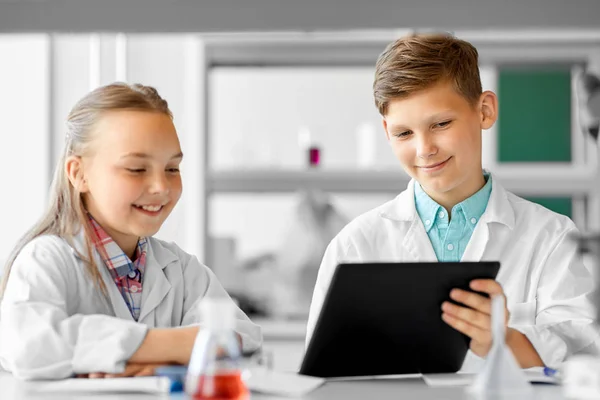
[(160, 184)]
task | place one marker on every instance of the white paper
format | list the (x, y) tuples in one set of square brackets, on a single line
[(534, 375), (267, 381), (436, 380), (372, 377), (142, 384)]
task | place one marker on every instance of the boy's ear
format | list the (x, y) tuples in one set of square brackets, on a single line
[(489, 109), (74, 170), (385, 128)]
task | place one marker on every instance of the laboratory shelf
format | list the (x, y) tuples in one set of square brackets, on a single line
[(550, 180)]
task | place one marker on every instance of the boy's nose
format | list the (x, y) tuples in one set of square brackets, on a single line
[(425, 146)]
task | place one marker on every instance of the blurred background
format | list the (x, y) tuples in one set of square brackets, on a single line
[(273, 104)]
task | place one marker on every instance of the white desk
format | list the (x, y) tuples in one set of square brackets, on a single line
[(12, 389), (283, 342)]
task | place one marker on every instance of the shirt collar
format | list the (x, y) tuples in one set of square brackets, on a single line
[(427, 208), (472, 207), (499, 208), (113, 256)]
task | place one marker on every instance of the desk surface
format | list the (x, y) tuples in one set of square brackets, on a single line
[(415, 388)]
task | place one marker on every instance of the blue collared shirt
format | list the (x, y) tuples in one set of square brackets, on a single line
[(450, 238)]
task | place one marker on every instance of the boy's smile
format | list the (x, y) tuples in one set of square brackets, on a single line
[(436, 135), (436, 166)]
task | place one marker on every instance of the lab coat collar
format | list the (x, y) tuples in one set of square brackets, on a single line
[(403, 207), (160, 255), (155, 283), (499, 209), (114, 299)]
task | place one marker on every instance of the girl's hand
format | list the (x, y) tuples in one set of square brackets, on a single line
[(93, 375), (134, 369), (131, 369)]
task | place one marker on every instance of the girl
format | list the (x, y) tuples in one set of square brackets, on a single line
[(88, 290)]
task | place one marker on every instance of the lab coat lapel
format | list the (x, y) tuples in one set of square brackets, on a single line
[(477, 243), (498, 212), (415, 242), (115, 297), (156, 286)]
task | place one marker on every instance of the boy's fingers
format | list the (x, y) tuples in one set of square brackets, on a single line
[(488, 286), (472, 300), (469, 315), (475, 333), (96, 375)]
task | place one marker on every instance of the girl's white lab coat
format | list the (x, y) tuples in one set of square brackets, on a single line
[(54, 323), (548, 288)]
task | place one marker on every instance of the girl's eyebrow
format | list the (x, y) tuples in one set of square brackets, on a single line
[(144, 155)]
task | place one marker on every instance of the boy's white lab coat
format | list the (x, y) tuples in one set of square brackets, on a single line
[(54, 322), (548, 288)]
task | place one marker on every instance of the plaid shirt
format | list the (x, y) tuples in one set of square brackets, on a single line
[(126, 274)]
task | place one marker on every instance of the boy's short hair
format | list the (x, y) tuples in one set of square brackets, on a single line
[(413, 63)]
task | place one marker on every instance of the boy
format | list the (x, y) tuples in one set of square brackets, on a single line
[(428, 91)]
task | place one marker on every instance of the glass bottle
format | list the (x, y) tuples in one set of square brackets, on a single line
[(215, 369)]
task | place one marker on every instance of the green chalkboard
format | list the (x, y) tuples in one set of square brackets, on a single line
[(561, 205), (534, 123)]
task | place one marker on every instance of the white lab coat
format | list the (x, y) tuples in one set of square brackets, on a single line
[(54, 322), (548, 288)]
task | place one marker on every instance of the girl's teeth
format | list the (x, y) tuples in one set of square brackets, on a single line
[(151, 208)]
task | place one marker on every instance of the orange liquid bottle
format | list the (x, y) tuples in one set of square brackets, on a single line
[(215, 371), (228, 386)]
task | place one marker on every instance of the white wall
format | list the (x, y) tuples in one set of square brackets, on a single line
[(24, 156), (41, 78), (71, 80)]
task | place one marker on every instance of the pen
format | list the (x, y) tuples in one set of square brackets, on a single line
[(552, 373)]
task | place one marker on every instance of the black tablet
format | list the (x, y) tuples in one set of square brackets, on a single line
[(386, 319)]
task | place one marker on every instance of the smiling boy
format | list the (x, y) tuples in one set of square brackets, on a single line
[(428, 90)]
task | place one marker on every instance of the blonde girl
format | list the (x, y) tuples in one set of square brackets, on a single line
[(88, 291)]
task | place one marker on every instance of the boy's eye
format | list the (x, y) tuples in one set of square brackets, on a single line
[(173, 170), (442, 124), (402, 134), (136, 170)]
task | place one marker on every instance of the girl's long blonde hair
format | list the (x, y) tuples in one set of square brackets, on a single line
[(66, 213)]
